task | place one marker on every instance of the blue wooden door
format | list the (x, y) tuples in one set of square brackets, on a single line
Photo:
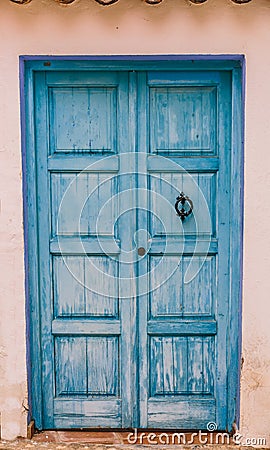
[(183, 307), (134, 301)]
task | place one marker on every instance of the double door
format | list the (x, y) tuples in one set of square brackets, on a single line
[(134, 298)]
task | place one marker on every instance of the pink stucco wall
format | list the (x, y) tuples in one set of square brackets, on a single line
[(132, 27)]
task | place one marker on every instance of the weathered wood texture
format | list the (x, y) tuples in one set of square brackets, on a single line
[(132, 340)]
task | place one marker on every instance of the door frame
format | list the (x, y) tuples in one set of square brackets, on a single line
[(28, 66)]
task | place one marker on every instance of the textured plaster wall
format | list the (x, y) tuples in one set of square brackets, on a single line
[(132, 27)]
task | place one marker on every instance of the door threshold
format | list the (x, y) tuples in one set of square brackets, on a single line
[(128, 437)]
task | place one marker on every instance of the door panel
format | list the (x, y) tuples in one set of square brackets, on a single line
[(83, 119), (175, 298), (133, 338), (87, 192), (170, 373), (73, 278), (192, 107), (201, 187)]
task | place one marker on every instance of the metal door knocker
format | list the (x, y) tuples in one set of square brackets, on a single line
[(183, 213)]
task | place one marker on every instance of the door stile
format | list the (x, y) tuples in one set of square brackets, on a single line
[(143, 224), (236, 249), (127, 286), (223, 232), (43, 212)]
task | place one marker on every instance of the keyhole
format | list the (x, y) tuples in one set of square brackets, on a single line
[(141, 251)]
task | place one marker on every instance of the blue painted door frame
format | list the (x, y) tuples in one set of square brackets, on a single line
[(154, 128)]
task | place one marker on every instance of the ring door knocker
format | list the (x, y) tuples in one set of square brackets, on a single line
[(182, 199)]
